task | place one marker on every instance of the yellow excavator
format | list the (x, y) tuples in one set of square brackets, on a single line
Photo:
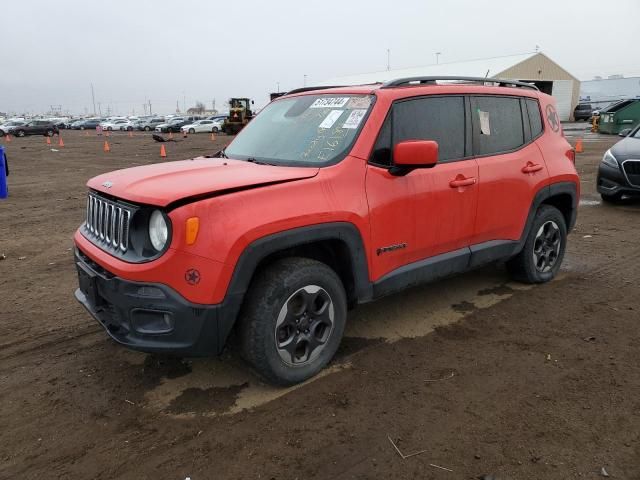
[(239, 115)]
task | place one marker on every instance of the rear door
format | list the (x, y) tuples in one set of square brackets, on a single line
[(428, 211), (511, 166)]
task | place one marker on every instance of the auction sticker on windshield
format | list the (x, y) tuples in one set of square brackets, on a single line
[(330, 102), (330, 119), (354, 119)]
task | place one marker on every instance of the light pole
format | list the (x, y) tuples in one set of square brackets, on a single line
[(278, 85), (304, 81), (388, 59), (438, 57)]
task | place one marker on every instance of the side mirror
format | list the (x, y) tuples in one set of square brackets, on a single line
[(624, 132), (412, 154)]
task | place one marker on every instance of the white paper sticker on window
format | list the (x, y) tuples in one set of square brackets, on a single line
[(485, 127), (354, 119), (330, 102), (331, 119)]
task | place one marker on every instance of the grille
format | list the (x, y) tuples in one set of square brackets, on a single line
[(108, 223), (632, 170)]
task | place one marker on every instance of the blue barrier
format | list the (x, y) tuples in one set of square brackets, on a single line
[(4, 172)]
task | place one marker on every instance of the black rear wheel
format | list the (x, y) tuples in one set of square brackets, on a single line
[(543, 252), (147, 128), (20, 133)]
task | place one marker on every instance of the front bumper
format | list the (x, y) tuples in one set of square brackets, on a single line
[(612, 181), (151, 317)]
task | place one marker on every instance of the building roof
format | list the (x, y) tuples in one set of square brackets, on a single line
[(483, 67)]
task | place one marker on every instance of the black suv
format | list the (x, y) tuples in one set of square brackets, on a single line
[(583, 111), (619, 171), (36, 127)]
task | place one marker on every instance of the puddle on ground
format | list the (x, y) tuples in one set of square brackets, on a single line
[(225, 386)]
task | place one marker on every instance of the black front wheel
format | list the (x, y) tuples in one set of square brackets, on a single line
[(293, 319), (540, 259), (49, 133), (614, 198), (146, 129)]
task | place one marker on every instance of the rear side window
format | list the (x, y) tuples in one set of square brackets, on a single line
[(533, 109), (432, 118), (497, 124)]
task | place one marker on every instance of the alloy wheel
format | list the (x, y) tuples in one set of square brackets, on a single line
[(546, 247), (304, 325)]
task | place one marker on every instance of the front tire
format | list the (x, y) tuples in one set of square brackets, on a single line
[(192, 131), (542, 254), (292, 320), (615, 199), (214, 130)]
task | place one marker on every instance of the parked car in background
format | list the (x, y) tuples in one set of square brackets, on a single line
[(175, 124), (116, 124), (36, 127), (583, 111), (9, 126), (89, 124), (619, 171), (150, 123), (203, 126)]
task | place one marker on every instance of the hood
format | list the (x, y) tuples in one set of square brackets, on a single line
[(628, 147), (164, 183)]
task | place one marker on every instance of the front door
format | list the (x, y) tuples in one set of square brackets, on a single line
[(426, 212)]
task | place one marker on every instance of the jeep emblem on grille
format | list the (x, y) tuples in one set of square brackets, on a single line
[(107, 184)]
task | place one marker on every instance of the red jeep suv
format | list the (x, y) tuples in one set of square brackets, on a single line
[(327, 199)]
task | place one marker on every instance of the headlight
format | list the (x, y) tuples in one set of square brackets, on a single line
[(609, 159), (158, 230)]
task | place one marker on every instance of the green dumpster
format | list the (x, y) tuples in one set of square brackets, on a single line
[(620, 115)]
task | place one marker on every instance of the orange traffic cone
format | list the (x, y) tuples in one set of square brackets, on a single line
[(163, 152), (170, 134), (48, 140), (60, 142), (106, 133), (8, 138), (106, 147), (130, 133), (213, 137), (579, 148), (86, 133)]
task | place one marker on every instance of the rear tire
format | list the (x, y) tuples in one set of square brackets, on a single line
[(146, 129), (20, 133), (543, 252), (292, 321), (49, 133)]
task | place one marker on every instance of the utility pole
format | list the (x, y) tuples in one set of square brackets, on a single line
[(304, 81), (99, 110), (278, 85), (150, 113), (388, 59), (184, 101), (93, 99), (438, 57)]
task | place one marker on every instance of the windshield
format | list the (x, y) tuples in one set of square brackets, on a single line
[(305, 130)]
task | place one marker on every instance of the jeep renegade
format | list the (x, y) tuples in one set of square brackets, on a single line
[(327, 199)]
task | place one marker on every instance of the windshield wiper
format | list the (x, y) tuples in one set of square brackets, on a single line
[(259, 162), (220, 154)]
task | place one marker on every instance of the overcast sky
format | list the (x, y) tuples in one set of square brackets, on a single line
[(189, 50)]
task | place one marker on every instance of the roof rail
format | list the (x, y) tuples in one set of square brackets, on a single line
[(403, 82), (308, 89)]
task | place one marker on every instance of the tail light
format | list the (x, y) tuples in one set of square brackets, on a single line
[(571, 155)]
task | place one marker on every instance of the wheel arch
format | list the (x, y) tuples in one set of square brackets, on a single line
[(561, 195), (338, 244)]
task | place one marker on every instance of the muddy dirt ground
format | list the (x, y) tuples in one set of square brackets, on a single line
[(476, 373)]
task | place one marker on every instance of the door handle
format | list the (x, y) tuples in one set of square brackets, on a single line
[(531, 167), (462, 181)]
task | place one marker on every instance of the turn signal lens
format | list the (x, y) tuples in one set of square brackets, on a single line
[(193, 225)]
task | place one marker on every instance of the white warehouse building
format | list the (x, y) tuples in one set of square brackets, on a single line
[(535, 68)]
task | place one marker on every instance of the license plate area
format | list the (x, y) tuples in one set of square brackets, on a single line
[(88, 285)]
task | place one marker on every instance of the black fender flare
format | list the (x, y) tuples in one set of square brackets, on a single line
[(261, 248), (544, 194)]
